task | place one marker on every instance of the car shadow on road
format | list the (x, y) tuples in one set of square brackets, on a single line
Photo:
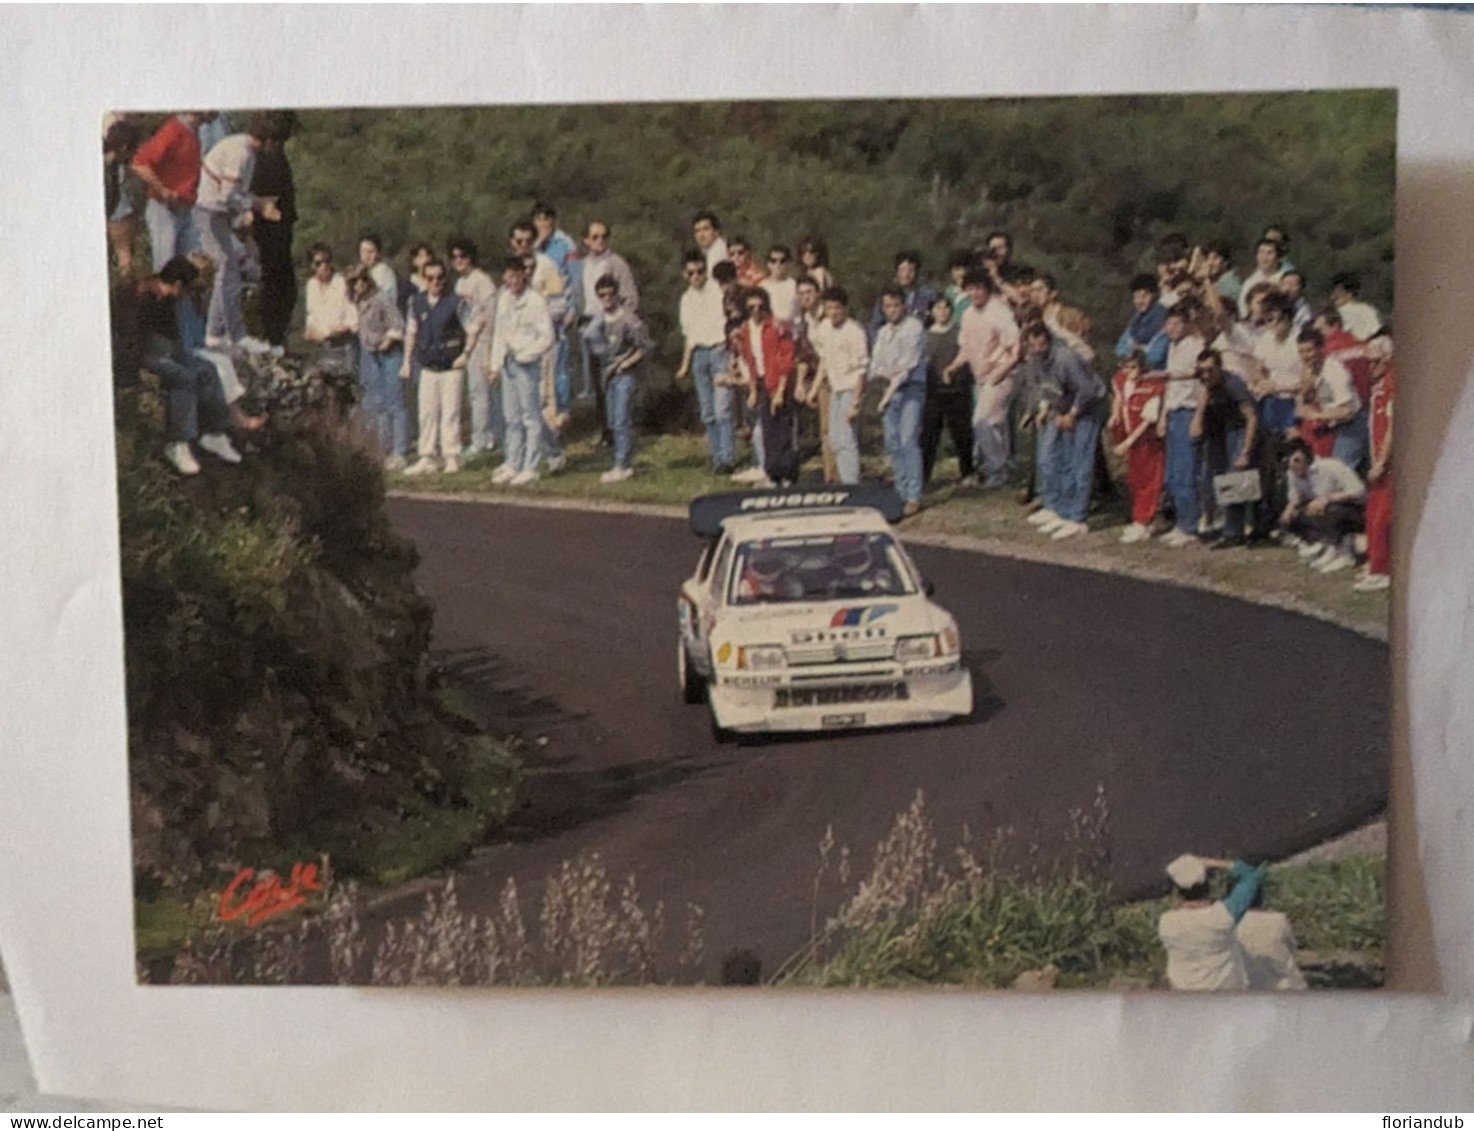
[(496, 694)]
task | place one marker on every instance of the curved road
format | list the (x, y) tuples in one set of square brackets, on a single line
[(1212, 725)]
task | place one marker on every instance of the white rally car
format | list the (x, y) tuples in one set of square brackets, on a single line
[(805, 613)]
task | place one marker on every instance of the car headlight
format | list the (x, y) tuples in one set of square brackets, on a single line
[(910, 648), (951, 643), (761, 657)]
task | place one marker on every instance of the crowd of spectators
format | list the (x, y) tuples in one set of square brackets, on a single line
[(1242, 414)]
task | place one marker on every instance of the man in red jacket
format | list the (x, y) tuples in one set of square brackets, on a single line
[(767, 352), (169, 164), (1379, 478)]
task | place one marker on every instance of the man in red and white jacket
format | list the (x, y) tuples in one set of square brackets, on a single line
[(1379, 477), (766, 351), (169, 164)]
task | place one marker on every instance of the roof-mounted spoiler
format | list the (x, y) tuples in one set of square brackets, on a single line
[(710, 511)]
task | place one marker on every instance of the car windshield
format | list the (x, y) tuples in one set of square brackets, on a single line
[(819, 568)]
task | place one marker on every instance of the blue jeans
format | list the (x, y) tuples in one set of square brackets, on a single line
[(383, 399), (619, 403), (842, 439), (1353, 443), (1216, 460), (196, 405), (902, 425), (523, 409), (1066, 462), (170, 231), (714, 403), (218, 242), (562, 376), (1181, 475), (487, 421)]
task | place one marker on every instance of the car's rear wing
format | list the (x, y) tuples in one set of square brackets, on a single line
[(710, 511)]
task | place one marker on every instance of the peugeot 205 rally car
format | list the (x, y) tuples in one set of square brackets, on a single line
[(805, 613)]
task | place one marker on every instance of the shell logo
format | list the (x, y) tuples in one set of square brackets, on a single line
[(724, 653)]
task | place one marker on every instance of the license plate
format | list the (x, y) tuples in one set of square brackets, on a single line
[(837, 721)]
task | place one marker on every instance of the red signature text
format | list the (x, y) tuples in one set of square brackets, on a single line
[(268, 896)]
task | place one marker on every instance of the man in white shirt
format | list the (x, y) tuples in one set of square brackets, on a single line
[(1328, 395), (1360, 319), (522, 336), (332, 319), (1327, 505), (781, 287), (544, 278), (1179, 406), (899, 359), (1203, 953), (1268, 945), (703, 356), (988, 344), (224, 200), (476, 303), (1269, 267), (371, 258), (707, 230), (598, 260), (843, 349)]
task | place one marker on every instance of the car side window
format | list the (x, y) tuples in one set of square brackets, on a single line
[(719, 571)]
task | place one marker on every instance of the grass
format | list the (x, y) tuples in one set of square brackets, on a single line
[(671, 470)]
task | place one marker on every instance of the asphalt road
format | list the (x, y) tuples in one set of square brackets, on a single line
[(1212, 725)]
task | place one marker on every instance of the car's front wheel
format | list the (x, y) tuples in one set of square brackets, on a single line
[(693, 687)]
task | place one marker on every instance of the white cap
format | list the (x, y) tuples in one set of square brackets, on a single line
[(1188, 871)]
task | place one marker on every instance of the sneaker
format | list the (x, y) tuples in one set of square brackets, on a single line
[(1373, 583), (1359, 545), (1176, 539), (616, 475), (1136, 532), (1309, 550), (218, 445), (394, 463), (967, 482), (277, 353), (557, 463), (523, 478), (722, 470), (422, 466), (471, 451), (1068, 529), (1224, 542), (182, 458), (504, 474), (1041, 516), (1052, 525), (452, 465), (215, 342), (912, 507), (1334, 562), (1294, 541), (253, 345), (749, 475)]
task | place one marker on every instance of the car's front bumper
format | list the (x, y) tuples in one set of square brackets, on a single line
[(842, 703)]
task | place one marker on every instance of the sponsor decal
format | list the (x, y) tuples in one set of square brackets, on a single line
[(804, 636), (863, 614), (724, 653), (789, 502)]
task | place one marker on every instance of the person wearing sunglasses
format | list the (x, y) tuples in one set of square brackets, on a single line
[(332, 319), (438, 342), (782, 288), (766, 349), (475, 295), (703, 357)]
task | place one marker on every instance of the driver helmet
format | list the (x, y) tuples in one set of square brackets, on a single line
[(853, 557)]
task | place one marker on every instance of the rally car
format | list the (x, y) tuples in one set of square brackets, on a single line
[(805, 613)]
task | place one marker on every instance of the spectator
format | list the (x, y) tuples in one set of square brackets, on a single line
[(1215, 267), (1179, 405), (988, 345), (1068, 395), (898, 358), (381, 361), (419, 255), (1065, 322), (1268, 946), (145, 336), (437, 342), (598, 260), (1269, 267), (272, 224), (1203, 952), (810, 390), (844, 360), (371, 259), (1280, 235), (917, 295), (1326, 506), (1328, 397), (1379, 477), (948, 397), (707, 231), (1225, 426), (1278, 372), (620, 341), (998, 262), (1144, 331), (225, 199), (523, 336), (1292, 286), (703, 330), (190, 310), (766, 348), (781, 287), (332, 319), (959, 263), (119, 144), (813, 260), (734, 376), (545, 279), (215, 128), (1360, 318), (168, 163), (558, 246), (749, 272), (1136, 408), (475, 294)]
